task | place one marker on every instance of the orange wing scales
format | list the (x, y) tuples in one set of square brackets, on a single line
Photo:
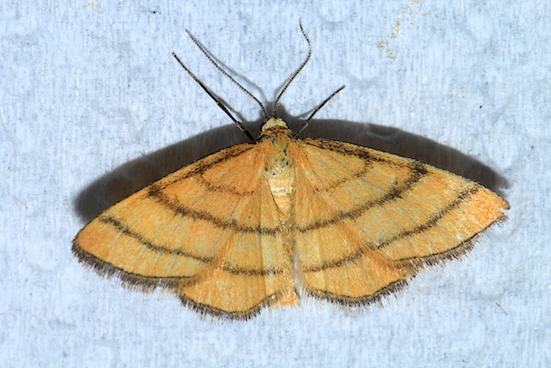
[(233, 232)]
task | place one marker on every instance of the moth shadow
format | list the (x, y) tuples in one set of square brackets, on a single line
[(143, 171)]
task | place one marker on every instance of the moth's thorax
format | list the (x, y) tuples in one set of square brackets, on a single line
[(278, 167)]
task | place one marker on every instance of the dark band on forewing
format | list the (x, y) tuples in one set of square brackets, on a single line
[(201, 167), (209, 187), (233, 270), (432, 222), (156, 193), (164, 250), (418, 171), (340, 182), (357, 151), (148, 244), (339, 262)]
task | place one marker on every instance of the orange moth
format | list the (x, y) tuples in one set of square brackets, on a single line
[(266, 222)]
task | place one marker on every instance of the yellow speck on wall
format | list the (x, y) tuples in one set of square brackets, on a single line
[(262, 223)]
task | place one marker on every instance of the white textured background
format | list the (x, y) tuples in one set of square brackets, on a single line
[(93, 106)]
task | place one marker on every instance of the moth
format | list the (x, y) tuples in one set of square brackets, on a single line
[(266, 222)]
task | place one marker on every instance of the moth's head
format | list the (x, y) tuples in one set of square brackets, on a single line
[(273, 124), (274, 129)]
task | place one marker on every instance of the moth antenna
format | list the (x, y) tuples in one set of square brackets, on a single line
[(298, 70), (319, 108), (204, 51), (215, 98)]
